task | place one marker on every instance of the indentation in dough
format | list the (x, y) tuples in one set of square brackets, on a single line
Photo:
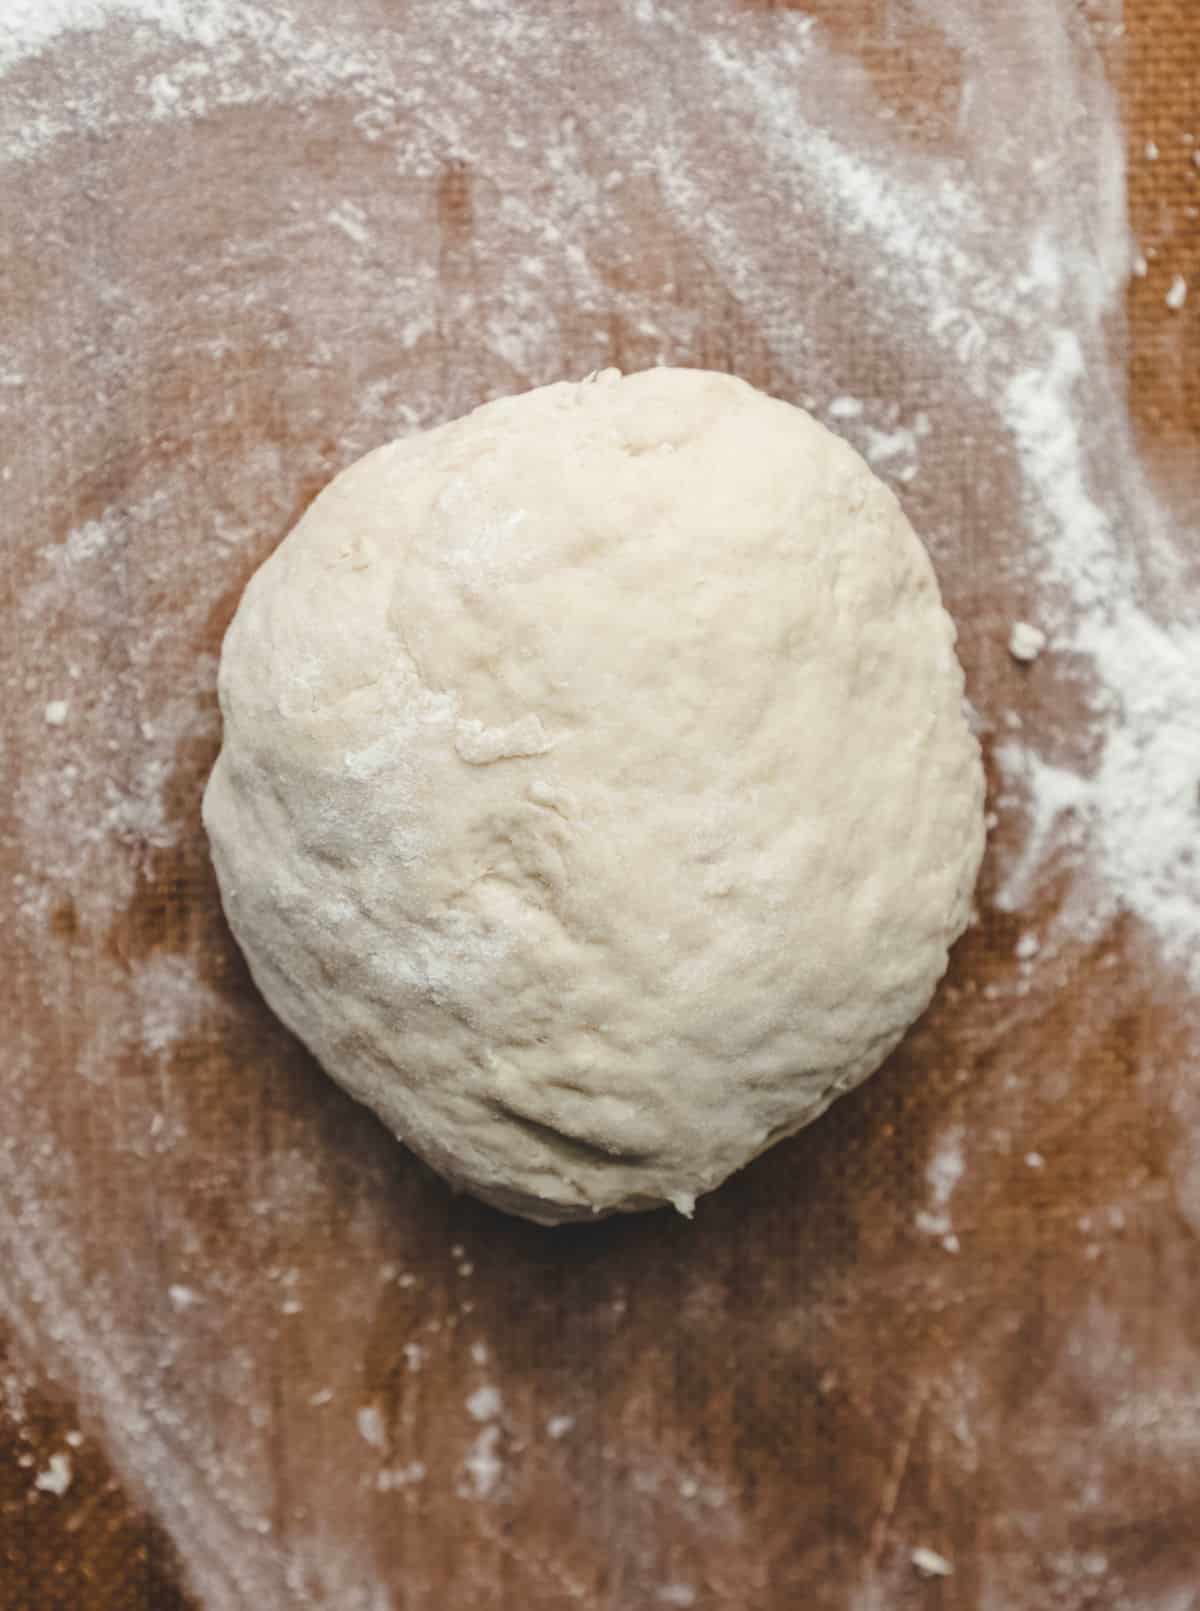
[(569, 1147)]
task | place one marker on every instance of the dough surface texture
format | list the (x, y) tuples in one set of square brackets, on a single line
[(596, 799)]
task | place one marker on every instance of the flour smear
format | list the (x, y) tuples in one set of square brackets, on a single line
[(598, 151)]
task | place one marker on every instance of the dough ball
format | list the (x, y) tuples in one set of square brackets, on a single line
[(596, 798)]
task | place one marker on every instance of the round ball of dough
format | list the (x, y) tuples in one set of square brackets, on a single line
[(596, 799)]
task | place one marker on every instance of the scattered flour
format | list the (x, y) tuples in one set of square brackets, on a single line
[(929, 1563), (57, 1477), (485, 1404), (1026, 642), (482, 1468), (942, 1175), (677, 1594), (388, 1480), (371, 1427)]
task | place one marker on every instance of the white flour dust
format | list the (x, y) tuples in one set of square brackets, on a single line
[(942, 1175), (946, 303)]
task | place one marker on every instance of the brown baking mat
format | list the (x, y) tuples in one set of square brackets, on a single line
[(854, 1352)]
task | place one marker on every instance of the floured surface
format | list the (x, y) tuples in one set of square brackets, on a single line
[(250, 248)]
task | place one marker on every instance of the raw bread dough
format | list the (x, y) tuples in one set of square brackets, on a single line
[(596, 798)]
